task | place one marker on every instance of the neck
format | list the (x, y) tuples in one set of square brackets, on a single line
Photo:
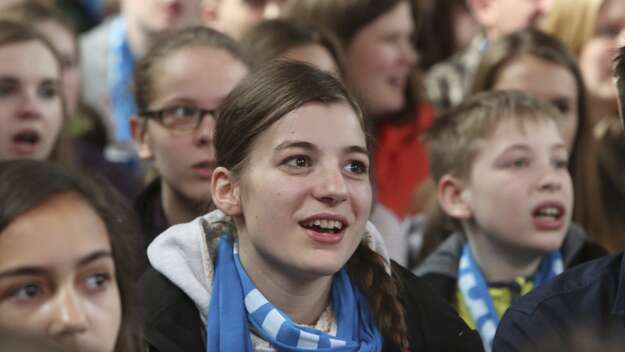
[(502, 263), (178, 208), (303, 300)]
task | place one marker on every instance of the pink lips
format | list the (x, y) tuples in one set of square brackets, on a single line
[(26, 142), (554, 222), (327, 238), (203, 169)]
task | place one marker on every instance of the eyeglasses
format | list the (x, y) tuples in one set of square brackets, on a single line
[(179, 118)]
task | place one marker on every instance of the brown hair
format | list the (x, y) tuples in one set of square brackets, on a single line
[(27, 184), (345, 19), (619, 73), (12, 32), (262, 99), (145, 71), (271, 39)]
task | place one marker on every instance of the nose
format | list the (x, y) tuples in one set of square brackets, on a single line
[(409, 53), (331, 187), (205, 131), (28, 106), (543, 6), (551, 179), (68, 314)]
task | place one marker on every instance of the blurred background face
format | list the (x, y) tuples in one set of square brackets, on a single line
[(65, 43), (547, 81), (31, 112), (597, 54), (235, 17), (380, 59), (162, 15), (501, 17)]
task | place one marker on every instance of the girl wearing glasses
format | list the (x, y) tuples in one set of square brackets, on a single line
[(288, 262), (178, 84)]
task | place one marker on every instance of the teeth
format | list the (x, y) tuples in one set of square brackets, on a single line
[(549, 211), (324, 224)]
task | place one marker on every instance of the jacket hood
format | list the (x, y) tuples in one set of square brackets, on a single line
[(183, 254), (445, 260)]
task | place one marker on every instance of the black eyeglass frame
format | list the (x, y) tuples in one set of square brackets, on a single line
[(159, 114)]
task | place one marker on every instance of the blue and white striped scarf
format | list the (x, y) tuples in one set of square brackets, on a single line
[(236, 303)]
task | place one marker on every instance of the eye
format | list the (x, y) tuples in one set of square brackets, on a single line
[(298, 161), (27, 292), (518, 163), (561, 163), (357, 167), (563, 106), (48, 90), (182, 112), (7, 87), (97, 282)]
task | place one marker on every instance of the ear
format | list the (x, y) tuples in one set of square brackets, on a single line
[(210, 12), (453, 197), (139, 129), (225, 191)]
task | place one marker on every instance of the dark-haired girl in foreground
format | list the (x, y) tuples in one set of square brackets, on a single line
[(288, 262)]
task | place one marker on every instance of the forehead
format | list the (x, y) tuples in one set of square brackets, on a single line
[(197, 71), (29, 58), (538, 77), (535, 132), (327, 126), (62, 229)]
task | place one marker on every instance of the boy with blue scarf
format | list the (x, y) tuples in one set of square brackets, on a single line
[(500, 165)]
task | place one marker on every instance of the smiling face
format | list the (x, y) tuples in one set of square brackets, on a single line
[(305, 193), (57, 276), (501, 17), (31, 112), (199, 77), (519, 192), (546, 81), (379, 60)]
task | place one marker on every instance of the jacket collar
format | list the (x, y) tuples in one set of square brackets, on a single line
[(619, 303)]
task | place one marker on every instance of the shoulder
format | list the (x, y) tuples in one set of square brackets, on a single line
[(97, 37), (581, 297), (171, 320), (433, 324)]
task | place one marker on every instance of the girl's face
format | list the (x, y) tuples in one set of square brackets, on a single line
[(597, 54), (547, 81), (31, 113), (65, 43), (379, 61), (57, 276), (304, 194), (195, 77)]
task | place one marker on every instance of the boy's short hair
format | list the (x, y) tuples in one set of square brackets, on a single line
[(619, 73), (454, 137)]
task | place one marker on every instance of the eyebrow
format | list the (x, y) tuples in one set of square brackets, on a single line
[(309, 146), (37, 270)]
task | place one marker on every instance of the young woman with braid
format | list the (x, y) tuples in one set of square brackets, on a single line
[(288, 262)]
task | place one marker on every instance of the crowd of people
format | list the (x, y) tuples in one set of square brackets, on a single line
[(293, 175)]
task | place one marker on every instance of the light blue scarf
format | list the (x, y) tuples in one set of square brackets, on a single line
[(474, 290), (121, 68), (236, 303)]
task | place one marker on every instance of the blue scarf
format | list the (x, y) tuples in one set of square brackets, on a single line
[(474, 290), (121, 68), (236, 303)]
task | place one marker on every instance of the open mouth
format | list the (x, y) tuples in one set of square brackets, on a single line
[(26, 141), (549, 216), (324, 225), (549, 213), (203, 169)]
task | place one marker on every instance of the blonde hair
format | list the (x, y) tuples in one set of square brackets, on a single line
[(455, 136), (573, 22)]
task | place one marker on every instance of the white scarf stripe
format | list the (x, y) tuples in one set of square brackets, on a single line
[(307, 341), (254, 300), (272, 323), (337, 343)]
